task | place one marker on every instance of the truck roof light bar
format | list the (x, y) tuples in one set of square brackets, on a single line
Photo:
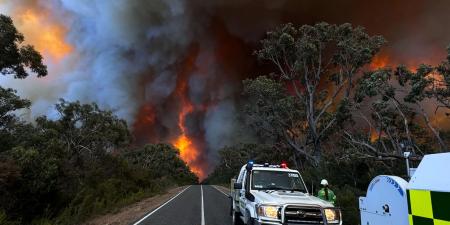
[(251, 164)]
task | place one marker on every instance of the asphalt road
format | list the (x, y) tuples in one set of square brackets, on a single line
[(195, 205)]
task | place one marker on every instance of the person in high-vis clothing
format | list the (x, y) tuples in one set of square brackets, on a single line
[(326, 193)]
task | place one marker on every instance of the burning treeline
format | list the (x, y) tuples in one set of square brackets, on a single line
[(173, 69)]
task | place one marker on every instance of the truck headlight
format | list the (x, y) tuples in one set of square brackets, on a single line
[(333, 215), (269, 211)]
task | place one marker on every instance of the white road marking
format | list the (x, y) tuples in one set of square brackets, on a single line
[(149, 214), (214, 186), (203, 208)]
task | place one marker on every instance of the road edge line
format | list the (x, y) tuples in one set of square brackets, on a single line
[(203, 207), (150, 213), (214, 186)]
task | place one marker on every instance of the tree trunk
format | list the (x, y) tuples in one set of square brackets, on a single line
[(311, 117), (317, 151), (433, 130)]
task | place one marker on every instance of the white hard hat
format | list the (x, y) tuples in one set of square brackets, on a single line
[(324, 182)]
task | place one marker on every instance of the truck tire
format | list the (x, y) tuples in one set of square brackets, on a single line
[(250, 220), (231, 206), (236, 219)]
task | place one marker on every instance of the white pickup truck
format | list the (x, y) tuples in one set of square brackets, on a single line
[(275, 194)]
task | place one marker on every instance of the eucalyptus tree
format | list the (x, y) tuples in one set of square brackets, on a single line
[(402, 103), (320, 63)]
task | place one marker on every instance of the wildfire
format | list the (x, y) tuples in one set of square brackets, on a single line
[(188, 150), (379, 61), (47, 36), (375, 135)]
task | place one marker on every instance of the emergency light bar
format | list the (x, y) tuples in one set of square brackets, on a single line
[(251, 164)]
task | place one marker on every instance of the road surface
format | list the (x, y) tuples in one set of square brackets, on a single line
[(195, 205)]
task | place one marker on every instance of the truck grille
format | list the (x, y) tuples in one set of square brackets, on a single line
[(302, 215)]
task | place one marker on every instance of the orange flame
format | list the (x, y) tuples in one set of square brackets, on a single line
[(375, 135), (47, 36), (189, 152), (379, 61)]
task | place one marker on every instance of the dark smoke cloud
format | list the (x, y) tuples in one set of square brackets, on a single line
[(128, 54)]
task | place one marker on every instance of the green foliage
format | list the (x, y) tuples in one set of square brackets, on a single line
[(347, 201), (319, 62), (64, 171), (86, 128), (271, 111), (9, 103), (295, 49), (164, 160), (39, 170), (14, 59), (396, 99), (432, 82), (373, 83), (344, 112), (5, 221)]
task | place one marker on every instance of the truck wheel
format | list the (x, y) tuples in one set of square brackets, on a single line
[(236, 219), (250, 220), (231, 206)]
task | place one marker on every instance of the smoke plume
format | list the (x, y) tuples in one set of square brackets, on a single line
[(172, 68)]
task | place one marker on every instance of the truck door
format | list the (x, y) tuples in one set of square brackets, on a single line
[(242, 199)]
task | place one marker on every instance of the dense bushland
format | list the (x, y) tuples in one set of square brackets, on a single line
[(66, 170)]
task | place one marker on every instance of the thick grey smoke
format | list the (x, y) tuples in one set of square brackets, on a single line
[(116, 44), (120, 43)]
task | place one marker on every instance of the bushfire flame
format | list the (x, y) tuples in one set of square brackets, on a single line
[(379, 61), (188, 151)]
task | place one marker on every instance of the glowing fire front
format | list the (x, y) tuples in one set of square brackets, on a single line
[(188, 151), (46, 35)]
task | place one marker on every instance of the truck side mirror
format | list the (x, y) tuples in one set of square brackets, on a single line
[(237, 186)]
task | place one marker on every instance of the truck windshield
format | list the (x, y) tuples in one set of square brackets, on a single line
[(277, 180)]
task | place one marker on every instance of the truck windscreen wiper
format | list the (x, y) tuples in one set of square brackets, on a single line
[(272, 189), (297, 189)]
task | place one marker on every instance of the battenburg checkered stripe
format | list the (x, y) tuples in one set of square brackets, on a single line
[(428, 207)]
